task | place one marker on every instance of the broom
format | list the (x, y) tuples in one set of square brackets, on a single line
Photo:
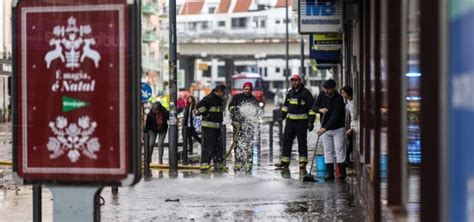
[(310, 177)]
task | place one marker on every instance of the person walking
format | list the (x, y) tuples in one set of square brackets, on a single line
[(211, 107), (299, 119), (189, 132), (156, 125), (331, 104), (346, 93), (241, 107)]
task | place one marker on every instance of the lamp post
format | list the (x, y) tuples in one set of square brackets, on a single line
[(173, 131), (287, 69)]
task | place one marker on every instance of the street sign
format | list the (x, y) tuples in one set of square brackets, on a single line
[(319, 16), (325, 48), (76, 106), (461, 111), (145, 92)]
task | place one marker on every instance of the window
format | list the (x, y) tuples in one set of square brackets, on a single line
[(277, 21), (192, 26), (277, 70), (259, 22), (221, 71), (221, 24), (205, 25), (265, 72), (206, 73), (239, 22), (261, 7), (211, 10)]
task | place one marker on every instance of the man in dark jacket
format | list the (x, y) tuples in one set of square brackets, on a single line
[(157, 125), (243, 126), (299, 119), (211, 107), (331, 105)]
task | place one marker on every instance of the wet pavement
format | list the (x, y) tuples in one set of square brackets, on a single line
[(263, 195)]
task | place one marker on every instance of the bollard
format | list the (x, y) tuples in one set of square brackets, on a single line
[(114, 190), (37, 203), (270, 140), (146, 156), (97, 205), (184, 153), (280, 134)]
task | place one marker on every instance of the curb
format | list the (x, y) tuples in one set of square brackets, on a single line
[(152, 166)]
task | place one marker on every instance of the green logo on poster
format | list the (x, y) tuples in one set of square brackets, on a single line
[(72, 104)]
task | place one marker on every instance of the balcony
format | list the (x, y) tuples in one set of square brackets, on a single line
[(150, 8), (149, 37), (150, 64)]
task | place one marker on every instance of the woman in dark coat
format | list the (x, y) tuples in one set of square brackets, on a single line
[(188, 127), (157, 126)]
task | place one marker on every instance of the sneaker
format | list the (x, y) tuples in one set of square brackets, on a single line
[(329, 177)]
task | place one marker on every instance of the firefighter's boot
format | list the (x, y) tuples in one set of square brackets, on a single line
[(329, 172), (342, 171)]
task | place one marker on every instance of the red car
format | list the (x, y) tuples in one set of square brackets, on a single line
[(238, 81)]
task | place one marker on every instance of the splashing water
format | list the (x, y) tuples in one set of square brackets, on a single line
[(252, 116)]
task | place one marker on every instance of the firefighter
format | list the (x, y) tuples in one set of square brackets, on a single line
[(299, 119), (331, 104), (243, 127), (211, 107)]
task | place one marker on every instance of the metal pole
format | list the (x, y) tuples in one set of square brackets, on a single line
[(302, 69), (37, 203), (146, 156), (270, 141), (184, 154), (173, 131), (287, 57)]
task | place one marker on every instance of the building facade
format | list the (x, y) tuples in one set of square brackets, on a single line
[(218, 38), (5, 59)]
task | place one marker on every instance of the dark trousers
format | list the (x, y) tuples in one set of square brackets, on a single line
[(295, 128), (188, 134), (211, 146), (350, 146)]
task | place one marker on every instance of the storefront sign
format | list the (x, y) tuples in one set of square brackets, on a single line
[(461, 112), (326, 48), (74, 92), (320, 16)]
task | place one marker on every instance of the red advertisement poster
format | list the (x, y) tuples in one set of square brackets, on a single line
[(72, 92)]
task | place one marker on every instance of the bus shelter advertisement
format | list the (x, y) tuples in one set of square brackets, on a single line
[(461, 111), (72, 93), (320, 16)]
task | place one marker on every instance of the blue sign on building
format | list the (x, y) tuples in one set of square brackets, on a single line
[(319, 16), (145, 92), (461, 111)]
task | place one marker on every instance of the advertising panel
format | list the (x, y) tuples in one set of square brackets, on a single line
[(325, 48), (320, 16), (461, 111), (73, 93)]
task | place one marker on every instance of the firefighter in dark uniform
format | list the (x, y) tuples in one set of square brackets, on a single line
[(299, 119), (211, 107), (243, 127)]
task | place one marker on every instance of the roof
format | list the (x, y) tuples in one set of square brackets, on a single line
[(223, 6), (242, 5), (282, 3), (192, 7)]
